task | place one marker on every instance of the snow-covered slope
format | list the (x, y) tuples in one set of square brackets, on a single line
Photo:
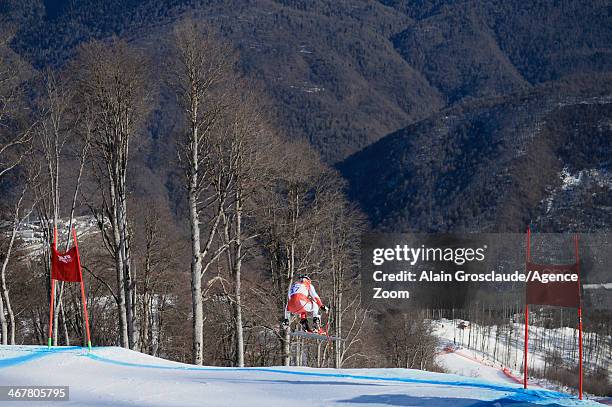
[(118, 377), (484, 359), (463, 364)]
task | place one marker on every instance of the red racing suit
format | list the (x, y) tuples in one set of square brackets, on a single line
[(303, 298)]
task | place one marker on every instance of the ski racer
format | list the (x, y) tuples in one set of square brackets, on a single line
[(302, 299)]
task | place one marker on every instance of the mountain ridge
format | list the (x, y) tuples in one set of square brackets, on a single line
[(487, 165), (344, 74)]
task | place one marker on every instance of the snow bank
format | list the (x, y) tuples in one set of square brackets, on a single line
[(119, 377)]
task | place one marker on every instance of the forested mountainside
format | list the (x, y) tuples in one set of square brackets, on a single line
[(495, 165), (441, 115), (344, 73)]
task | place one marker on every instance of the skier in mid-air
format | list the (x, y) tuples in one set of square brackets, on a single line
[(303, 299)]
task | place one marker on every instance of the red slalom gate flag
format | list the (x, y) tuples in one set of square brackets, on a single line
[(557, 293), (65, 266)]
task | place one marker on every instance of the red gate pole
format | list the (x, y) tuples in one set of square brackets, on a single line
[(580, 352), (85, 311), (579, 320), (83, 298), (526, 345), (527, 314)]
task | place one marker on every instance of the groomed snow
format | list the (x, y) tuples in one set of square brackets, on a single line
[(119, 377), (463, 364), (478, 361)]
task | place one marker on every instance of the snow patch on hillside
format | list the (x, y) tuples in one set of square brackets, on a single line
[(484, 352)]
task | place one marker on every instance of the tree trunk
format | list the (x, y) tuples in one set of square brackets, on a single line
[(56, 312), (11, 320), (130, 302), (129, 278), (65, 327), (3, 323), (144, 336), (8, 335), (196, 268), (119, 268), (286, 349), (237, 271), (338, 329)]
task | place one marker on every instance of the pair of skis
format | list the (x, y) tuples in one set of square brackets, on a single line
[(321, 335)]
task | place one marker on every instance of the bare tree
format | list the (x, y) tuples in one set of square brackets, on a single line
[(15, 132), (157, 256), (151, 241), (248, 142), (289, 223), (342, 231), (199, 66), (112, 81), (53, 132), (8, 327), (15, 143)]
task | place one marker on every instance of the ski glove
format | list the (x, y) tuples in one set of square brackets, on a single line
[(285, 323), (324, 308)]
